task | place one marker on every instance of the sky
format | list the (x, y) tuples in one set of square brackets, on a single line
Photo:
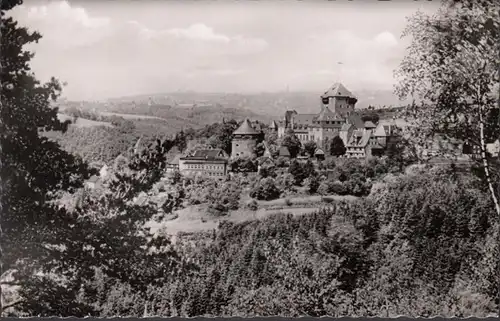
[(105, 49)]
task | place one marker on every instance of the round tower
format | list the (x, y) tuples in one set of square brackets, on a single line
[(244, 140)]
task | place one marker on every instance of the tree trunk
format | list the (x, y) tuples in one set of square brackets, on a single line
[(486, 164)]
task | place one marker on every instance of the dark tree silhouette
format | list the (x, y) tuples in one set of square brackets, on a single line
[(337, 147)]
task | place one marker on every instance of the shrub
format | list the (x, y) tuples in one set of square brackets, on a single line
[(265, 190), (338, 188), (252, 205)]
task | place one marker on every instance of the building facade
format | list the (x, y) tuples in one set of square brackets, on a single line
[(338, 117), (336, 113), (210, 162)]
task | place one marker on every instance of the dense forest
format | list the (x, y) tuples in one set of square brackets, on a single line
[(412, 239)]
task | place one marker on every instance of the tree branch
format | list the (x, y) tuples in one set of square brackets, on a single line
[(13, 304)]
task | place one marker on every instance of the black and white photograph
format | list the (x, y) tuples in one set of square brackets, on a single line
[(223, 158)]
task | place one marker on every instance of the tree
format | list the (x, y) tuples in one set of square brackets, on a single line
[(451, 72), (310, 147), (291, 142), (222, 136), (39, 236), (373, 117), (297, 170), (265, 190), (33, 169), (337, 147), (181, 141), (259, 149)]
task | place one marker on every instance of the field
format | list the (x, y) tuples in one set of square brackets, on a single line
[(195, 218)]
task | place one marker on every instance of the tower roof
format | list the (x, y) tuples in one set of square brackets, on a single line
[(273, 125), (245, 129), (338, 90), (327, 114)]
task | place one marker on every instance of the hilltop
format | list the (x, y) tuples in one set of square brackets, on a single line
[(270, 104)]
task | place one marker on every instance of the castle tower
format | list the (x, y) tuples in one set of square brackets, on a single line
[(339, 100), (244, 140)]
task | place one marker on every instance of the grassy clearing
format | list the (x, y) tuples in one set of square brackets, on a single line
[(305, 200), (195, 218)]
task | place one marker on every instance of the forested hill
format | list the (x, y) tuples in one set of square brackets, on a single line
[(178, 116)]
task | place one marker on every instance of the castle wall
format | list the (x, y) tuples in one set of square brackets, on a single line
[(243, 147), (341, 105)]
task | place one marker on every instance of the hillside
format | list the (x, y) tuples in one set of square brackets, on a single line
[(269, 104), (177, 116)]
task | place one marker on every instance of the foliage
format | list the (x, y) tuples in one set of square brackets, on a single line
[(312, 183), (265, 190), (371, 116), (224, 197), (301, 171), (285, 183), (337, 147), (243, 164), (252, 205), (451, 71), (310, 147), (282, 162), (33, 169), (222, 135), (290, 141)]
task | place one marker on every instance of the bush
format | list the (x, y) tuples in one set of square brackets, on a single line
[(252, 205), (265, 190), (312, 184), (338, 188)]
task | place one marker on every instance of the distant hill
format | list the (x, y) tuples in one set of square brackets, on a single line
[(177, 116), (265, 104)]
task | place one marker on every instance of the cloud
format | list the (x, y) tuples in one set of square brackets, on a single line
[(365, 61), (199, 31), (216, 47), (62, 12), (66, 26), (386, 39)]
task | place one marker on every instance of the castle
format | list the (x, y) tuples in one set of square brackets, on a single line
[(337, 117)]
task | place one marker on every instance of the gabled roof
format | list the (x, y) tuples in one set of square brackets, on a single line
[(355, 120), (283, 151), (357, 133), (346, 127), (338, 90), (207, 154), (327, 114), (175, 160), (365, 138), (304, 119), (319, 151), (245, 129), (380, 131)]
